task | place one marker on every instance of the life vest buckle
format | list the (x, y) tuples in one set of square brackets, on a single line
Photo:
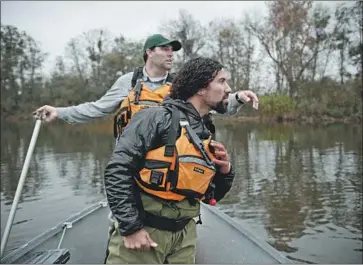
[(184, 123), (137, 91)]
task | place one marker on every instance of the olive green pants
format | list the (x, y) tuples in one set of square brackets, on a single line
[(173, 247)]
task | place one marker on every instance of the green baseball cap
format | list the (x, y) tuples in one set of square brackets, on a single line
[(158, 40)]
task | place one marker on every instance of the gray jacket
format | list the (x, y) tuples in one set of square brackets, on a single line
[(110, 102)]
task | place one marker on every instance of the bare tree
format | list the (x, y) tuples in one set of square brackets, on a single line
[(97, 43), (231, 43), (342, 40), (78, 59), (286, 36), (189, 32)]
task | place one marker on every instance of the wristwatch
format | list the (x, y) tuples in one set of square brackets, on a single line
[(238, 100)]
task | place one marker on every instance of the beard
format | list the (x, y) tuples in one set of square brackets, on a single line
[(221, 107)]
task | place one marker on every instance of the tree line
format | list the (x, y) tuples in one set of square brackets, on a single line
[(302, 58)]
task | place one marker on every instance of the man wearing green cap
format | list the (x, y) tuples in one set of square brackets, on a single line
[(158, 40), (158, 56)]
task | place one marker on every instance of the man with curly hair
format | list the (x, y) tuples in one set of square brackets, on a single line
[(164, 166)]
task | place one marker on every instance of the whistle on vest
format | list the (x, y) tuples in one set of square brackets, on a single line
[(212, 202), (210, 194)]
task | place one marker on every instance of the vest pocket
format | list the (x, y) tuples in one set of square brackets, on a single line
[(154, 174), (197, 177)]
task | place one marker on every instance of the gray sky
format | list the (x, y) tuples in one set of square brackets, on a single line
[(53, 24)]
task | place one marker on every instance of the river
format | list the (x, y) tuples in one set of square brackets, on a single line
[(297, 187)]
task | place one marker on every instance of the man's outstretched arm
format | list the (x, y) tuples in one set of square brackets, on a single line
[(88, 111), (244, 96)]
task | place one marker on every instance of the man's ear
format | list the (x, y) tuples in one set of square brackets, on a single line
[(202, 92), (148, 52)]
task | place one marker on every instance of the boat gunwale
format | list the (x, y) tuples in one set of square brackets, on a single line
[(274, 253), (51, 232)]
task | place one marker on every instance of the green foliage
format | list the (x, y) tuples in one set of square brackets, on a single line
[(330, 98), (316, 99), (21, 61), (276, 104)]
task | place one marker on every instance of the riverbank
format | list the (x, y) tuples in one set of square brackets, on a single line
[(325, 119), (295, 119), (327, 106)]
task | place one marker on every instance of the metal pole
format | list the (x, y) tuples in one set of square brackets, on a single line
[(360, 5), (20, 186)]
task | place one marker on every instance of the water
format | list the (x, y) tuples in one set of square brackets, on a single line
[(297, 187)]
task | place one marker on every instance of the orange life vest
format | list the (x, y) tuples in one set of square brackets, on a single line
[(140, 97), (183, 168)]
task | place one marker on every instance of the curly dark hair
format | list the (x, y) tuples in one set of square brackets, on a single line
[(195, 74)]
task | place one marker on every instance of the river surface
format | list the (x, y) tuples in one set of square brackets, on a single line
[(297, 187)]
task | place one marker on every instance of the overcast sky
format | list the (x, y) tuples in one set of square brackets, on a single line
[(53, 24)]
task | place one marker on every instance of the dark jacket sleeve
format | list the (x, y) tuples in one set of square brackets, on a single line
[(223, 183), (127, 159)]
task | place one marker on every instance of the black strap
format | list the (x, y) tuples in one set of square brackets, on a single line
[(198, 144), (137, 79), (188, 193), (163, 223), (173, 176), (137, 91), (138, 200), (136, 83), (238, 99), (184, 117), (173, 131), (138, 73), (155, 221), (209, 194), (115, 133), (170, 77)]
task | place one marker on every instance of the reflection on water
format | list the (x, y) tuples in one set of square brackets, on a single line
[(65, 174), (297, 187)]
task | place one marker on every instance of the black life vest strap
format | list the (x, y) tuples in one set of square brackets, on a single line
[(173, 131), (195, 140), (170, 78), (164, 223), (178, 117), (136, 83), (138, 73)]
